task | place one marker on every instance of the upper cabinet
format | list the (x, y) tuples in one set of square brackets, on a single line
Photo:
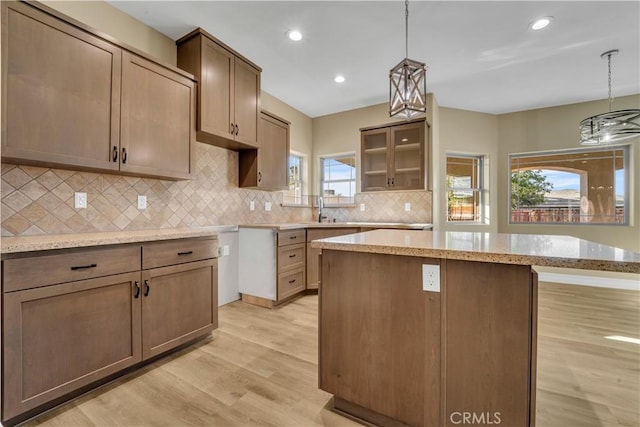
[(393, 157), (266, 168), (228, 91), (75, 99)]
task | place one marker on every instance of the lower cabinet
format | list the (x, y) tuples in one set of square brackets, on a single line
[(179, 304), (75, 326), (313, 274), (59, 338)]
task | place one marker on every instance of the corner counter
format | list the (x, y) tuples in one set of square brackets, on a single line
[(427, 328)]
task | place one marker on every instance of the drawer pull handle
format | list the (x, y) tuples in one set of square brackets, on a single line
[(185, 253), (292, 256), (83, 267), (293, 237), (137, 294), (292, 281), (147, 288)]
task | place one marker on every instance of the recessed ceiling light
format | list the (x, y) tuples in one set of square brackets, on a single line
[(338, 79), (541, 23), (294, 35)]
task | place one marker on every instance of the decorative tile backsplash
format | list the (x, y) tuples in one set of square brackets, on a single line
[(39, 200)]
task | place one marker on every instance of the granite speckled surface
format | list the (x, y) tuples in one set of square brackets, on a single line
[(386, 225), (523, 249), (79, 240)]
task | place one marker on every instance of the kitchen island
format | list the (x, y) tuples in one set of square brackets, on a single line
[(439, 328)]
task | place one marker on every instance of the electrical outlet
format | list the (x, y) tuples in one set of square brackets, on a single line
[(407, 207), (361, 207), (267, 206), (431, 277), (225, 250), (142, 202), (80, 200), (252, 205)]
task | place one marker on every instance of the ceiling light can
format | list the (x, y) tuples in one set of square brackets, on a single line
[(541, 23), (339, 79), (294, 35)]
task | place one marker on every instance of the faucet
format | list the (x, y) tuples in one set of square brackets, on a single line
[(320, 207)]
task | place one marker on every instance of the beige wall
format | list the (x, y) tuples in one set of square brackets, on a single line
[(108, 19), (557, 128)]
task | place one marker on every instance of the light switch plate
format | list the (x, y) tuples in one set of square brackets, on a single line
[(361, 207), (252, 205), (142, 202), (407, 207), (431, 277), (80, 200), (267, 206)]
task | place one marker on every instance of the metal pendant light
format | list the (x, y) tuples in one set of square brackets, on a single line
[(407, 82), (612, 126)]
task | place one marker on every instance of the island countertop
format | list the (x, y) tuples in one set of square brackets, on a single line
[(522, 249)]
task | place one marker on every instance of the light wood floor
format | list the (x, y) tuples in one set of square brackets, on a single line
[(260, 369)]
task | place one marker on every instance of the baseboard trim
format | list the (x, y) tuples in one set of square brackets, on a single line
[(595, 281)]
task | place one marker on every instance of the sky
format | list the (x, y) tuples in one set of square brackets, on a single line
[(570, 181)]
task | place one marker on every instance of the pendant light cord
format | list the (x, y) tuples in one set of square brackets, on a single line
[(609, 65), (406, 29)]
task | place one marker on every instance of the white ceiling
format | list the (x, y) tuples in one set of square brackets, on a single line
[(481, 54)]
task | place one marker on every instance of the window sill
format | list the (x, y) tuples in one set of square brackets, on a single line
[(294, 205)]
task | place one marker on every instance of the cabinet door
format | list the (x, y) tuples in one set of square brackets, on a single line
[(216, 90), (179, 304), (158, 120), (61, 92), (273, 154), (406, 156), (59, 338), (246, 102), (375, 160), (313, 275)]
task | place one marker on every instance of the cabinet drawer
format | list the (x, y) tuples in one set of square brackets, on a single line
[(291, 237), (77, 264), (323, 233), (291, 283), (291, 257), (159, 254)]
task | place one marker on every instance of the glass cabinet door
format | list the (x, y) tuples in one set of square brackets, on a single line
[(407, 156), (375, 160)]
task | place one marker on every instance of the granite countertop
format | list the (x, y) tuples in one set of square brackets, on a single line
[(293, 226), (79, 240), (524, 249)]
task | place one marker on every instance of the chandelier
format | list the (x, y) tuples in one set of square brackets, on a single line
[(612, 126), (407, 82)]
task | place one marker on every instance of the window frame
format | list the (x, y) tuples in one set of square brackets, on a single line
[(301, 201), (480, 189), (628, 205), (325, 157)]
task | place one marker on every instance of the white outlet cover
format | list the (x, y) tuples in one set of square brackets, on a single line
[(362, 207), (252, 205), (142, 202), (267, 206), (407, 207), (225, 250), (431, 277), (80, 200)]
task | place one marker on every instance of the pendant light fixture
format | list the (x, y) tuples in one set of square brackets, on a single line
[(612, 126), (407, 82)]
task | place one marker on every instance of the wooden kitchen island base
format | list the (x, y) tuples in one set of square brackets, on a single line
[(392, 353)]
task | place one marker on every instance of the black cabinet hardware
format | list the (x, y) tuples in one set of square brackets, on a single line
[(147, 288), (83, 267), (124, 155), (115, 153), (185, 253), (137, 294)]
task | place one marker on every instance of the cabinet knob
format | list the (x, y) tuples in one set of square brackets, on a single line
[(137, 285), (124, 155), (115, 153), (147, 288)]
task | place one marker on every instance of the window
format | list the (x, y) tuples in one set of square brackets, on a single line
[(570, 187), (464, 188), (338, 179), (293, 196)]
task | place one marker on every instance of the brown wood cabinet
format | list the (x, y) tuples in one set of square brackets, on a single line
[(313, 254), (76, 98), (291, 263), (267, 167), (78, 316), (393, 157), (228, 91)]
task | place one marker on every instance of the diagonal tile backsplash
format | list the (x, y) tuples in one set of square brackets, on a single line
[(39, 200)]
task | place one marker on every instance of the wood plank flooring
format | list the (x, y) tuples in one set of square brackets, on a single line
[(260, 369)]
